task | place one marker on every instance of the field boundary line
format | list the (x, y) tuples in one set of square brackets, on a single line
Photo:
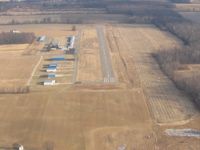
[(76, 63), (33, 72)]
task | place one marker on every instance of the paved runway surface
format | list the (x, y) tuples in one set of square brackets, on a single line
[(108, 75)]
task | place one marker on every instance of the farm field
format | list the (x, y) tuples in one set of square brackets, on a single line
[(132, 112)]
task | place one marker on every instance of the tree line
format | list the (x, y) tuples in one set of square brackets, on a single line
[(16, 38), (173, 60)]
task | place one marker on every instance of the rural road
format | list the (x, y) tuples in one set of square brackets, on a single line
[(34, 70), (77, 47), (106, 64)]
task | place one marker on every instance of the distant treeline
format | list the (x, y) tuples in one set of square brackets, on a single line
[(14, 90), (16, 38), (175, 59)]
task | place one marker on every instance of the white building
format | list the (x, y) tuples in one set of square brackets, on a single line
[(51, 70), (49, 82)]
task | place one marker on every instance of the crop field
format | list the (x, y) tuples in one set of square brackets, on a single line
[(130, 112)]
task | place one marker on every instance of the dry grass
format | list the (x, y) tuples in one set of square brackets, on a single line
[(75, 119), (52, 31), (89, 56), (166, 103), (188, 7), (95, 117), (16, 70), (13, 47)]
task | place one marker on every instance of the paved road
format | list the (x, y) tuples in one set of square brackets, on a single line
[(105, 57)]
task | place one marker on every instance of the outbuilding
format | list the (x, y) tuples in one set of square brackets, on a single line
[(42, 38), (52, 65), (51, 75), (51, 69), (49, 82), (71, 41), (58, 58)]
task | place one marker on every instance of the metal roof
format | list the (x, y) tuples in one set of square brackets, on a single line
[(52, 75)]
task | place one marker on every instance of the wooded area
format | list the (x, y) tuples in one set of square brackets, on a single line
[(16, 38)]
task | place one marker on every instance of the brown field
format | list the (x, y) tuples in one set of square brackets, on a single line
[(193, 16), (89, 56), (188, 7), (167, 104), (76, 121), (134, 111), (16, 70), (13, 48), (52, 31)]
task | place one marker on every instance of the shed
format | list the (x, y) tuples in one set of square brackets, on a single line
[(51, 70), (51, 75), (49, 82), (52, 65), (42, 38), (58, 58), (71, 41)]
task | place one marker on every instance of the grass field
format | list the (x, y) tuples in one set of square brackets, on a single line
[(13, 48), (183, 7), (89, 59), (75, 119), (132, 112), (16, 69), (166, 103)]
